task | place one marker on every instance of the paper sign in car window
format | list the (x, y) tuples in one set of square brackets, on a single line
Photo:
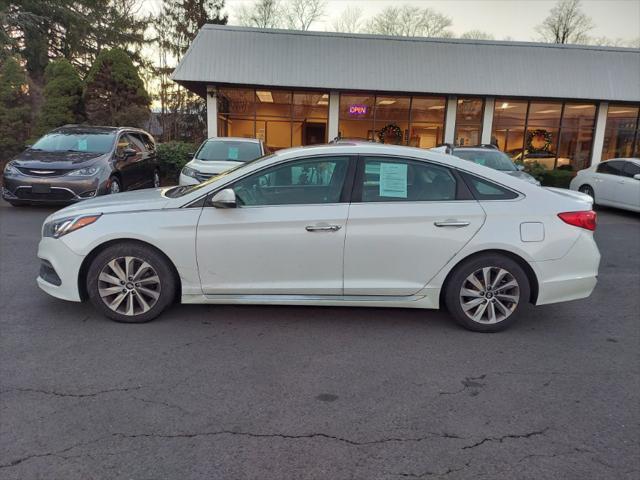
[(393, 180), (82, 145), (233, 153)]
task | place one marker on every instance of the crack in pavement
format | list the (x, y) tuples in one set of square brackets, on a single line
[(429, 473), (506, 437), (66, 394), (468, 382)]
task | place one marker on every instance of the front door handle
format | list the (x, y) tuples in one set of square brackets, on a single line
[(452, 223), (323, 227)]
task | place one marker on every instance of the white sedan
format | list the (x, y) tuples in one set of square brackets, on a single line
[(216, 155), (612, 183), (345, 224)]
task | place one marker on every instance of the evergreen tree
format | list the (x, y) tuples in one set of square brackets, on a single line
[(114, 93), (62, 96), (14, 108)]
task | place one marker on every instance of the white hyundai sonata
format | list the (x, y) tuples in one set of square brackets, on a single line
[(346, 224)]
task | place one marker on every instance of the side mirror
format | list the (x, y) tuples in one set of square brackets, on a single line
[(637, 176), (520, 167), (224, 199), (128, 152), (191, 154)]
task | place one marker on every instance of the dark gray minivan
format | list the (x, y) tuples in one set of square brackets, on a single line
[(76, 162)]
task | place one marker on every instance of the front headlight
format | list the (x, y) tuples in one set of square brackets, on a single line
[(83, 172), (10, 169), (58, 228), (190, 172)]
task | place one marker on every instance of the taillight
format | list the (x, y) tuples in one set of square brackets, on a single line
[(586, 219)]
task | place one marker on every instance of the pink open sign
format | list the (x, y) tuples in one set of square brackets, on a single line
[(358, 109)]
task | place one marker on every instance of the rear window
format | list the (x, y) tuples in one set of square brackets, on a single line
[(485, 190), (229, 151), (488, 158)]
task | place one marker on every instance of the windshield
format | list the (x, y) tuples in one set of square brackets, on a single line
[(228, 150), (489, 158), (76, 142), (177, 192)]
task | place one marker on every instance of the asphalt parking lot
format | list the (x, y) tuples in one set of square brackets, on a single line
[(236, 392)]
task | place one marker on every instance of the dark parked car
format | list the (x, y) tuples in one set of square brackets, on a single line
[(77, 162)]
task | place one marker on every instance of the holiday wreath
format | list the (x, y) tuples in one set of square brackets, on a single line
[(392, 132), (538, 140)]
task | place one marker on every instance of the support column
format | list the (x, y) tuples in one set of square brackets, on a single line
[(598, 133), (487, 120), (334, 111), (212, 112), (450, 120)]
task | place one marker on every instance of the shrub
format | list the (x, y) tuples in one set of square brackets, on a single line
[(557, 178), (172, 156)]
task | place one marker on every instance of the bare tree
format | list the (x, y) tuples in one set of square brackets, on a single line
[(300, 14), (349, 21), (261, 14), (410, 21), (566, 23), (477, 35), (614, 42)]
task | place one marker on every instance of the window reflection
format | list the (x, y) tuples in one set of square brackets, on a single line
[(555, 135), (280, 118), (621, 135), (403, 120), (469, 121)]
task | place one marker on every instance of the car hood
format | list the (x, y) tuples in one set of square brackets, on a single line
[(522, 176), (138, 200), (212, 166), (56, 160)]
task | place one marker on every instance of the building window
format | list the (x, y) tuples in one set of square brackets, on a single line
[(550, 133), (402, 120), (621, 134), (469, 114), (280, 118)]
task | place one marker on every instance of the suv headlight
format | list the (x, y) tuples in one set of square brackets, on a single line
[(62, 226), (83, 172), (10, 168), (190, 172)]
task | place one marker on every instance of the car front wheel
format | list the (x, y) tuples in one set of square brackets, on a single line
[(485, 293), (130, 283)]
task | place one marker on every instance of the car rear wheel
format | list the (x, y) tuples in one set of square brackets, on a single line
[(485, 293), (130, 283)]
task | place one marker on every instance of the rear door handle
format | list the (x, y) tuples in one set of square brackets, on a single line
[(452, 223), (322, 228)]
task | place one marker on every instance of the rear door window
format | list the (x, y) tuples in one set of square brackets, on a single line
[(387, 179)]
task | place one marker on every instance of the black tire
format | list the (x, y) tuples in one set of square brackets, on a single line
[(16, 204), (459, 279), (155, 180), (113, 181), (589, 191), (165, 290)]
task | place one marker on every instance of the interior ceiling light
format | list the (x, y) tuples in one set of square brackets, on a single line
[(505, 105), (549, 111), (436, 107), (325, 95), (265, 97), (616, 112), (579, 107), (322, 102), (386, 102)]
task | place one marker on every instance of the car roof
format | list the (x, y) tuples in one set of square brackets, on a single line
[(626, 159), (94, 128)]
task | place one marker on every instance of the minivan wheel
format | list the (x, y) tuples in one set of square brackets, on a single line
[(485, 293), (130, 283), (114, 185), (156, 179)]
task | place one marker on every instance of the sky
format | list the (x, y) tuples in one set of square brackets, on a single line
[(516, 19)]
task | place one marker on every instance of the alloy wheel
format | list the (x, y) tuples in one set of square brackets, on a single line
[(114, 187), (489, 295), (129, 286), (156, 179)]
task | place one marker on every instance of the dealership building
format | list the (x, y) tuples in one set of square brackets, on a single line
[(566, 106)]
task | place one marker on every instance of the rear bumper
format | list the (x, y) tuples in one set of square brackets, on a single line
[(66, 266), (571, 277)]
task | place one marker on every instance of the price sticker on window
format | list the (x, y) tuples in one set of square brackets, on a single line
[(393, 180), (233, 153)]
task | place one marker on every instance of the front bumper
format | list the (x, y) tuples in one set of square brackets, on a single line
[(50, 190), (66, 266)]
